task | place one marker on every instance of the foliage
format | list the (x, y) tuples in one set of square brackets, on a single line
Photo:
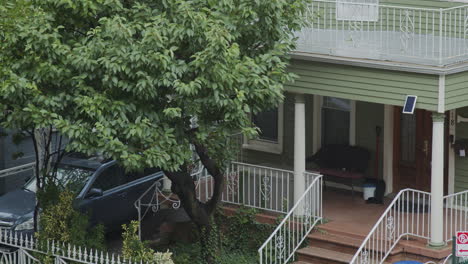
[(126, 77), (240, 235), (60, 222), (243, 231), (138, 251)]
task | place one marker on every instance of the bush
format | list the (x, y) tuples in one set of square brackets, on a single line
[(59, 221), (240, 234), (138, 251)]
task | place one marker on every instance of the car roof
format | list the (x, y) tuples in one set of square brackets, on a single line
[(91, 163)]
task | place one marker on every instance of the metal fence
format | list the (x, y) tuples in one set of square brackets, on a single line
[(282, 244), (456, 214), (23, 249), (407, 215), (384, 32)]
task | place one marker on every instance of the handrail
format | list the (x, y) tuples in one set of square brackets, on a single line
[(394, 6), (17, 169), (302, 218), (261, 167), (378, 250), (455, 216)]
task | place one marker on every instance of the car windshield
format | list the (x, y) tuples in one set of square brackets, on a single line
[(68, 177)]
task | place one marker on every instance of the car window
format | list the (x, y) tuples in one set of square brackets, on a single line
[(110, 178), (68, 177), (135, 175)]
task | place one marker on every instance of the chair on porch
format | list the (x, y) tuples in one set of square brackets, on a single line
[(342, 163)]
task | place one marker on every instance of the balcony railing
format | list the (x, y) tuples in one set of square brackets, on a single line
[(425, 36)]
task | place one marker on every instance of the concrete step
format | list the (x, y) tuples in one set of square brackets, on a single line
[(340, 242), (317, 255)]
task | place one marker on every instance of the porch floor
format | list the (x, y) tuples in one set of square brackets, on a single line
[(343, 212)]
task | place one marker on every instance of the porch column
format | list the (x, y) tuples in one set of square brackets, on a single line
[(437, 180), (299, 147)]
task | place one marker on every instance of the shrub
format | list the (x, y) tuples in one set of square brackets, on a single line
[(136, 250), (59, 221)]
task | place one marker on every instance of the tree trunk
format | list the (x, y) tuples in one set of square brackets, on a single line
[(200, 213)]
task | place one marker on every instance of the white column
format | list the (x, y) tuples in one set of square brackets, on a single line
[(299, 147), (437, 180), (388, 148), (451, 154)]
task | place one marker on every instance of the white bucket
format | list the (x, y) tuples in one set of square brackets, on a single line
[(368, 191)]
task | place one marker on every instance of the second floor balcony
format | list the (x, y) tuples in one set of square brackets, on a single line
[(353, 29)]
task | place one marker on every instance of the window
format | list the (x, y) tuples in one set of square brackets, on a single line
[(270, 137), (135, 175), (336, 121), (267, 122), (110, 178), (357, 10)]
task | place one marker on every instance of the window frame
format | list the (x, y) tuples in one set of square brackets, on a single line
[(275, 147)]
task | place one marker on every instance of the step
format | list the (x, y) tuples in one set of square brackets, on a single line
[(348, 243), (340, 243), (319, 255)]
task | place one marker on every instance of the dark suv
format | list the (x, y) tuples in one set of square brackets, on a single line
[(104, 190)]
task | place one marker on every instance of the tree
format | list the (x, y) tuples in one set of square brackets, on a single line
[(23, 105), (127, 77)]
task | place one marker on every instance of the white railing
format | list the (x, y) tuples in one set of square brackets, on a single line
[(18, 169), (384, 32), (407, 215), (28, 250), (252, 186), (456, 214), (282, 244)]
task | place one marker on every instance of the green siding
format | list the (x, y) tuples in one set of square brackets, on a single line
[(364, 84), (461, 163), (456, 90)]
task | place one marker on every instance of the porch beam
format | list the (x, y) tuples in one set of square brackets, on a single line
[(299, 147), (437, 181)]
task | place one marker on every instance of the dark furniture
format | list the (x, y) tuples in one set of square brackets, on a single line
[(342, 163)]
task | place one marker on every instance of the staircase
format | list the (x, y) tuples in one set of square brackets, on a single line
[(330, 245)]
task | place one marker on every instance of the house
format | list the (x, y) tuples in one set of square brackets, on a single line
[(15, 150), (357, 61)]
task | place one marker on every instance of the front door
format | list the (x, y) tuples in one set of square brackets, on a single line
[(412, 150)]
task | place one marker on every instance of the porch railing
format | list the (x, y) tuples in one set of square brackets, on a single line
[(456, 214), (18, 169), (384, 32), (28, 250), (251, 185), (282, 244), (407, 215)]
